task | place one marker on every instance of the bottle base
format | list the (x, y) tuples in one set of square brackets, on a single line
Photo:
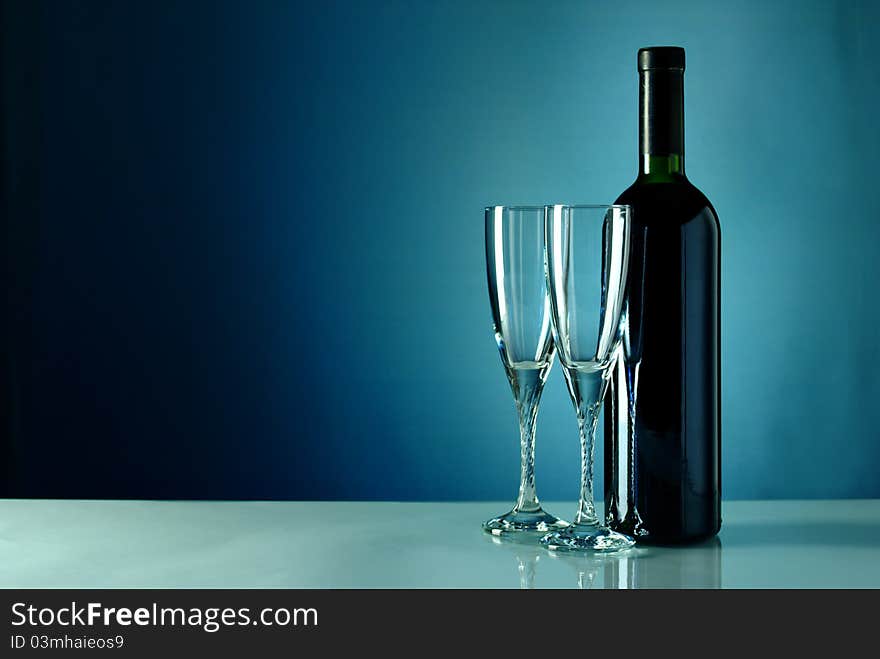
[(675, 541), (643, 536)]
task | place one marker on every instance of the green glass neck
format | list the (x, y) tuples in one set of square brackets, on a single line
[(661, 169)]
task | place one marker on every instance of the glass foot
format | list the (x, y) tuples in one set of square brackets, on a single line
[(536, 521), (587, 537)]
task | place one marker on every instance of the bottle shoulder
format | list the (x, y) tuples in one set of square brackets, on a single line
[(703, 199), (659, 202)]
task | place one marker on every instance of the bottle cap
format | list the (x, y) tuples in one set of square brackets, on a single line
[(661, 57)]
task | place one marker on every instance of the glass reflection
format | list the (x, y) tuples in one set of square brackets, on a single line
[(527, 554), (590, 568)]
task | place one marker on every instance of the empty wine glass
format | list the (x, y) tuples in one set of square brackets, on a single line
[(521, 316), (587, 249)]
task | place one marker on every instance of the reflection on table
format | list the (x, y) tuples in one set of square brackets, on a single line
[(689, 566), (195, 544)]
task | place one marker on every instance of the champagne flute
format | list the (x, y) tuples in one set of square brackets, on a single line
[(587, 249), (521, 317)]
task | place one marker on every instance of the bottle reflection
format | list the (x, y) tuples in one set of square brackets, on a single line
[(689, 566)]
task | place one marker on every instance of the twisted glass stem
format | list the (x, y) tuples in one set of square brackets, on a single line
[(588, 419), (587, 389), (527, 395), (527, 386)]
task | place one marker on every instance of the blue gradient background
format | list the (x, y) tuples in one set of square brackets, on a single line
[(244, 251)]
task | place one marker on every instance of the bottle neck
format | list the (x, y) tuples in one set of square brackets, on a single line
[(661, 124)]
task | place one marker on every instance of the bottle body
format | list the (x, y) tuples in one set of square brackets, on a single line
[(663, 408)]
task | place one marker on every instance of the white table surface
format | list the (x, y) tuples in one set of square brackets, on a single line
[(154, 544)]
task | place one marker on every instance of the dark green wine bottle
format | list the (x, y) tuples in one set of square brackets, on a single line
[(663, 409)]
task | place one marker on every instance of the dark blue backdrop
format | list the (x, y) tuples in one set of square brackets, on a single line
[(243, 250)]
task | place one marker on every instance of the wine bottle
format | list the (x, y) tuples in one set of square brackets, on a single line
[(663, 410)]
